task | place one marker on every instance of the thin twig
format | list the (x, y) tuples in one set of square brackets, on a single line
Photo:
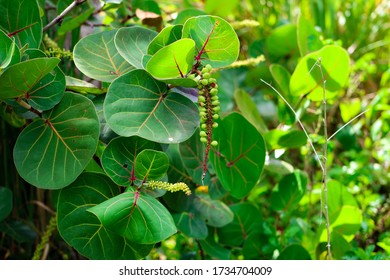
[(61, 16), (299, 121), (325, 152), (338, 130)]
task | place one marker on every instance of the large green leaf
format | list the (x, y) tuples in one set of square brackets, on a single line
[(19, 79), (119, 156), (151, 165), (22, 19), (136, 216), (5, 202), (247, 219), (9, 52), (137, 104), (214, 212), (214, 38), (132, 43), (289, 191), (166, 36), (239, 158), (49, 91), (191, 225), (173, 62), (97, 57), (83, 230), (52, 151), (307, 77)]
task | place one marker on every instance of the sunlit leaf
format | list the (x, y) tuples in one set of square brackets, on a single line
[(214, 38), (137, 104), (97, 57), (132, 43)]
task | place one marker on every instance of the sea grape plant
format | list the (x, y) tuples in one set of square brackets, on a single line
[(116, 156)]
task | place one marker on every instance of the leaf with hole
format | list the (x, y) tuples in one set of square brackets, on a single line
[(136, 216), (119, 156), (21, 19), (137, 104), (150, 165), (19, 79), (239, 158), (132, 43), (172, 63), (216, 41), (83, 230), (52, 151), (97, 57)]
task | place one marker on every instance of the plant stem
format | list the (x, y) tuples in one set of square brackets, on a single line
[(60, 17), (325, 151), (299, 121)]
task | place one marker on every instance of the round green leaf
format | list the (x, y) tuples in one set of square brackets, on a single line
[(119, 156), (136, 216), (214, 38), (22, 19), (132, 43), (83, 230), (151, 165), (247, 219), (294, 252), (5, 202), (335, 67), (97, 57), (9, 52), (239, 158), (19, 79), (51, 152), (166, 36), (289, 191), (214, 212), (173, 62), (191, 225), (137, 104), (49, 91)]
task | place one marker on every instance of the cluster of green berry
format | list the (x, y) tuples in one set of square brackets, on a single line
[(208, 104)]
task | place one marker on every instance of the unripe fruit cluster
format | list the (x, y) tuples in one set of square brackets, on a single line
[(208, 104)]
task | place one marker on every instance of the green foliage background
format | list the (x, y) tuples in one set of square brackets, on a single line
[(90, 80)]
